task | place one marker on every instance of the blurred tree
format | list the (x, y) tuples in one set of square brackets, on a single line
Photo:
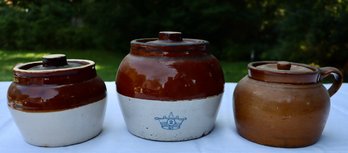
[(43, 25), (312, 31)]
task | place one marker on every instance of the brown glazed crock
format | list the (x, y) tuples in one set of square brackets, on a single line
[(283, 104), (167, 85), (57, 102), (51, 85)]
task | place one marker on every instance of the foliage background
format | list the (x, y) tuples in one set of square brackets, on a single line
[(311, 31)]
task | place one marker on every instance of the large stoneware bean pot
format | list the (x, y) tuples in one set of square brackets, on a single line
[(57, 102), (283, 104), (169, 88)]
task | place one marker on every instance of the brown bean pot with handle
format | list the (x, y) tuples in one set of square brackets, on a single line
[(283, 104)]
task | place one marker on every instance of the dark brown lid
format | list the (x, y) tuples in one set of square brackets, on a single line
[(55, 61), (169, 43), (54, 69), (283, 72)]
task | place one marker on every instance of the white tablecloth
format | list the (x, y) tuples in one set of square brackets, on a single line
[(116, 138)]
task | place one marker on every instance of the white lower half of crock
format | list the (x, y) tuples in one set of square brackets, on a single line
[(61, 128), (170, 120)]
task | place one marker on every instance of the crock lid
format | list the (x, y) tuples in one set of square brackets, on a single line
[(283, 72), (54, 68), (169, 42), (52, 62), (55, 61), (172, 38)]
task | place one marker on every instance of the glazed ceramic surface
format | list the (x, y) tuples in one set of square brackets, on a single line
[(283, 104), (52, 100), (169, 80), (170, 121), (61, 128)]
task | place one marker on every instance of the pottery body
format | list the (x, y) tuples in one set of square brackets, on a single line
[(170, 121), (57, 105), (290, 114), (169, 90), (61, 128)]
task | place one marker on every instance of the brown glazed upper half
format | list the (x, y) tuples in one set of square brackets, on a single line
[(283, 106), (50, 89), (169, 68)]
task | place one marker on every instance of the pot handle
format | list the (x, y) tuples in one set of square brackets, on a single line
[(337, 74)]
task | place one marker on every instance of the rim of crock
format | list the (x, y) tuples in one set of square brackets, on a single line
[(143, 41), (290, 77), (17, 68)]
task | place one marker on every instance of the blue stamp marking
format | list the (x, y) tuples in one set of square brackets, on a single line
[(170, 122)]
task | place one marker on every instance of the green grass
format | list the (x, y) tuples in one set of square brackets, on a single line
[(234, 71), (107, 63)]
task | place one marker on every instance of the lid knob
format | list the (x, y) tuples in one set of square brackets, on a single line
[(54, 60), (170, 35), (283, 65)]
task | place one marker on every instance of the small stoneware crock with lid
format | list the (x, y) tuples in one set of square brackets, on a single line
[(57, 102), (169, 88), (283, 104)]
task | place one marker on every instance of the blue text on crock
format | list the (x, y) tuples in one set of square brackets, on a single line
[(170, 122)]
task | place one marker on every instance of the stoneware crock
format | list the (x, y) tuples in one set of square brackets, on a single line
[(283, 104), (57, 102), (169, 88)]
